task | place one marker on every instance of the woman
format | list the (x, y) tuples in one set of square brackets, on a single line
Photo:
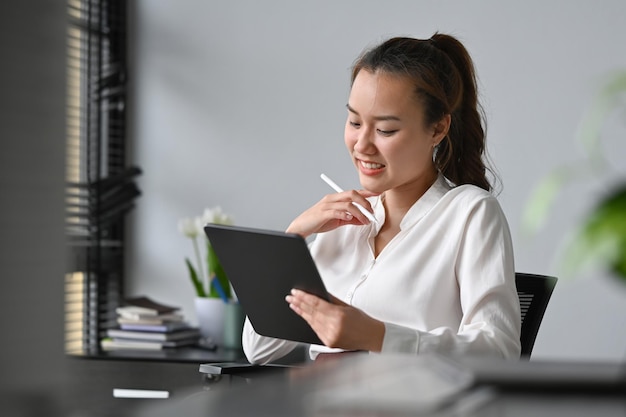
[(436, 274)]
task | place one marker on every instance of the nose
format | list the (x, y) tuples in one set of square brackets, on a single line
[(364, 142)]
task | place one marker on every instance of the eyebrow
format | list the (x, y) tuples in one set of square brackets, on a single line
[(379, 118)]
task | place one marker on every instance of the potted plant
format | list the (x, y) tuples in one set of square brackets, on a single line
[(214, 300)]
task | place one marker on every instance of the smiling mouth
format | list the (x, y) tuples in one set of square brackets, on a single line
[(370, 165)]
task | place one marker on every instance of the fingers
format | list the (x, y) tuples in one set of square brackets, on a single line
[(345, 207), (333, 211), (336, 323), (303, 303), (318, 313), (299, 297), (354, 196)]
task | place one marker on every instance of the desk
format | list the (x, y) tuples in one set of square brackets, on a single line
[(85, 386), (298, 394), (91, 377), (88, 392), (208, 404)]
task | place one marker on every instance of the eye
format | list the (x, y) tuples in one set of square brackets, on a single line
[(386, 132), (355, 125)]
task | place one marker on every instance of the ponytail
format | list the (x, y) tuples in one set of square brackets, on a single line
[(460, 155)]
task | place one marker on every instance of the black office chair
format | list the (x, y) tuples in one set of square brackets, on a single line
[(534, 292)]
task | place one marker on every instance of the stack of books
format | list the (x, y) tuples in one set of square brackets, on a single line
[(146, 324)]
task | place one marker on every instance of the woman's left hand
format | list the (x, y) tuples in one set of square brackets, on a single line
[(337, 324)]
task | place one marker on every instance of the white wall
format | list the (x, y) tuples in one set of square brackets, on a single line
[(241, 104)]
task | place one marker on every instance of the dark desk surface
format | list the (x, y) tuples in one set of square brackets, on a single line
[(309, 391), (88, 391), (179, 355), (87, 387)]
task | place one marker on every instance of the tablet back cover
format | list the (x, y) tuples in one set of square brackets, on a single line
[(263, 266)]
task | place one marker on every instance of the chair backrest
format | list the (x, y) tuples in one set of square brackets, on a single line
[(534, 293)]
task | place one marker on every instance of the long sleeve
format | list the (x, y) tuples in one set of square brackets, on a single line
[(261, 349), (490, 321)]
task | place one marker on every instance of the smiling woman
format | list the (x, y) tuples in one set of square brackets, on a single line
[(435, 272)]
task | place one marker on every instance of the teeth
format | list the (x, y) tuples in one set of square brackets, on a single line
[(371, 165)]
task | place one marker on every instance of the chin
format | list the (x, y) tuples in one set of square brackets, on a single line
[(370, 185)]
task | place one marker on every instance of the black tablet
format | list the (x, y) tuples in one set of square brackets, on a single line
[(263, 266)]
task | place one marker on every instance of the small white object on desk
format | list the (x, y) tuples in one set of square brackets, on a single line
[(337, 188), (139, 393)]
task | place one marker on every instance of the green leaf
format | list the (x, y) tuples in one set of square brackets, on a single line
[(541, 201), (215, 268), (602, 105), (602, 239), (200, 292)]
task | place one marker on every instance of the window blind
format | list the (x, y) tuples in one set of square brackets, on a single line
[(100, 188)]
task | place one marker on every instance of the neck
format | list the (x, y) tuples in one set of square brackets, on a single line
[(399, 200)]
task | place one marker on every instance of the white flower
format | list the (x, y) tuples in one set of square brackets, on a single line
[(194, 227), (217, 216), (199, 224), (187, 227)]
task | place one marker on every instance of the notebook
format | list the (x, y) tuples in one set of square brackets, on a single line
[(263, 266)]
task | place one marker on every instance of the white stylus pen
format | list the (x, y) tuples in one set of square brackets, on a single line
[(337, 188)]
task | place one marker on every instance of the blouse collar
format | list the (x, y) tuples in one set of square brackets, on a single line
[(419, 209)]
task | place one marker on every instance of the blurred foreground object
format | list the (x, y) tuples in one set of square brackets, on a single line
[(600, 241)]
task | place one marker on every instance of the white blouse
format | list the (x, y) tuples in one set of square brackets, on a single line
[(445, 283)]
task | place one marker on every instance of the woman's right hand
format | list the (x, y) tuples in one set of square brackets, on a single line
[(332, 211)]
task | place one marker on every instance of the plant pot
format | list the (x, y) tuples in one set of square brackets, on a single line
[(210, 315), (233, 325), (219, 322)]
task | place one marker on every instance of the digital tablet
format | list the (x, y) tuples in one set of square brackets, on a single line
[(263, 266)]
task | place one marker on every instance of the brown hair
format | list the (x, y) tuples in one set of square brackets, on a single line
[(445, 83)]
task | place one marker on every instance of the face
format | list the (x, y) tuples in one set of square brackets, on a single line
[(386, 135)]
